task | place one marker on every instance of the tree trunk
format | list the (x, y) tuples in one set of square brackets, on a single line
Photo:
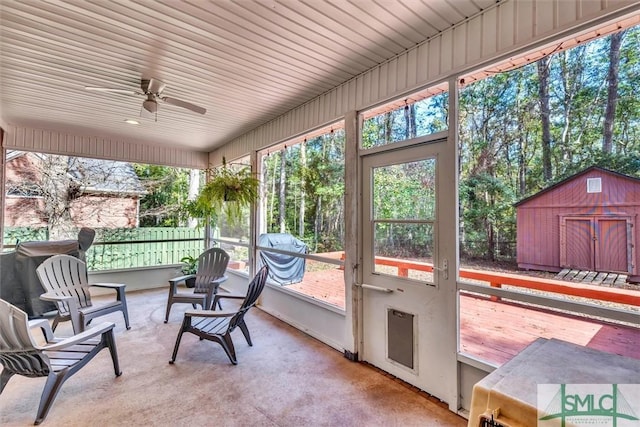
[(522, 168), (317, 223), (58, 192), (388, 127), (412, 121), (612, 91), (194, 186), (491, 242), (571, 76), (545, 113), (303, 195), (272, 195), (283, 192)]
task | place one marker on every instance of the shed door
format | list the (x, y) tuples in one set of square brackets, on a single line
[(612, 245), (597, 243), (577, 244)]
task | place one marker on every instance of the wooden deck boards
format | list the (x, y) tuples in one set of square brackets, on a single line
[(496, 331), (507, 328), (592, 277)]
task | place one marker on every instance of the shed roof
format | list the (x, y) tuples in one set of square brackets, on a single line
[(573, 177)]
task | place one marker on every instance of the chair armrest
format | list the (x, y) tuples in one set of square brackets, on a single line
[(81, 337), (219, 280), (173, 283), (118, 287), (56, 298), (213, 291), (74, 313), (181, 279), (217, 297), (44, 326), (231, 296), (210, 313), (108, 285)]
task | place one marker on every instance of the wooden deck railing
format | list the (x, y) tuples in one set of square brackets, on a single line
[(497, 280)]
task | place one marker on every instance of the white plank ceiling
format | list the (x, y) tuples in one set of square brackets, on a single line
[(245, 61)]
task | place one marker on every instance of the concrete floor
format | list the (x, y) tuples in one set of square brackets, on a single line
[(286, 379)]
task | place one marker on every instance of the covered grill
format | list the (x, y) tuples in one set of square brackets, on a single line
[(284, 269), (19, 283)]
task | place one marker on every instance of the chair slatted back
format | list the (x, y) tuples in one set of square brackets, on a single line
[(253, 292), (212, 265), (65, 275), (18, 352)]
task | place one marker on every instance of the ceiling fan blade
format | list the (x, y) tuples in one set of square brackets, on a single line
[(184, 104), (112, 90)]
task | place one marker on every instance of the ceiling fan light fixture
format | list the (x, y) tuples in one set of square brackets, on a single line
[(150, 105)]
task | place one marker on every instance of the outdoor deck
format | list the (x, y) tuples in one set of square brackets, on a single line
[(495, 330)]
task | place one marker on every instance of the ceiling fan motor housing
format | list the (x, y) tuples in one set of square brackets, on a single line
[(153, 86)]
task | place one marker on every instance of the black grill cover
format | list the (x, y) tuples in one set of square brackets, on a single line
[(283, 269), (29, 255)]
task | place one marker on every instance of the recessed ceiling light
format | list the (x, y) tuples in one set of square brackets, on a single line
[(132, 122)]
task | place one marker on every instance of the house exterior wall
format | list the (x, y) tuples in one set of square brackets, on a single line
[(21, 169), (89, 210), (24, 212), (539, 218), (105, 211)]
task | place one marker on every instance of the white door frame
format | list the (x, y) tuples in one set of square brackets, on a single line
[(442, 332)]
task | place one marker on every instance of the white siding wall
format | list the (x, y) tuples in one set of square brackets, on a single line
[(49, 141), (504, 30)]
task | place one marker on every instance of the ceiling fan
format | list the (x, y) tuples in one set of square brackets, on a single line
[(152, 89)]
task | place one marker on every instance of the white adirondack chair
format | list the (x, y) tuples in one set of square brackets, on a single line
[(57, 360), (65, 280)]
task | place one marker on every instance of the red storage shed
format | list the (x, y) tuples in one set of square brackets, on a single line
[(585, 222)]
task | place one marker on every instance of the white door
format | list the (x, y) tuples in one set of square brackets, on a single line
[(408, 311)]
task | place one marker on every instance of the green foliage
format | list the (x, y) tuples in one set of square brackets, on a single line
[(14, 235), (189, 264), (405, 191), (486, 205), (319, 181), (200, 209), (500, 134), (424, 117), (230, 189), (627, 164), (167, 188)]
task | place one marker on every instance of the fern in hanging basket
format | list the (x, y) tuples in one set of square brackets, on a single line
[(228, 190)]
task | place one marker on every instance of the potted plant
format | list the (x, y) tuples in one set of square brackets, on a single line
[(189, 266), (229, 189)]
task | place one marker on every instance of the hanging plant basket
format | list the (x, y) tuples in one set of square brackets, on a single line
[(228, 190)]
